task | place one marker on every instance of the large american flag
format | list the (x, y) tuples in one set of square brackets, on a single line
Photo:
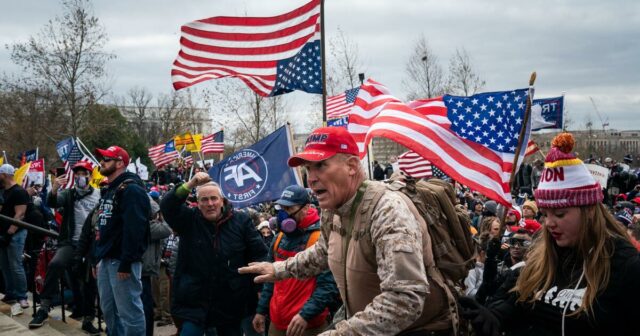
[(340, 105), (75, 155), (163, 154), (213, 143), (414, 165), (272, 55), (471, 139)]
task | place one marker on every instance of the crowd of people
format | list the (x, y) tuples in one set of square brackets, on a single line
[(345, 256)]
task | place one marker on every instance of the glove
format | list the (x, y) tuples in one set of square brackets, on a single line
[(482, 320), (493, 248)]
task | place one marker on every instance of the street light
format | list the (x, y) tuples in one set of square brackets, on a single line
[(361, 77)]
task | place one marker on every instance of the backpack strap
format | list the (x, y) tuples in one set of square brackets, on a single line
[(277, 243), (313, 238)]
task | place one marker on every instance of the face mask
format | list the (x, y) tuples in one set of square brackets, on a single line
[(285, 222), (81, 182)]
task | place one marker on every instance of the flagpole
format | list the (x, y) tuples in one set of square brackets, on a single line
[(86, 150), (37, 150), (323, 64), (523, 131), (293, 151), (4, 155)]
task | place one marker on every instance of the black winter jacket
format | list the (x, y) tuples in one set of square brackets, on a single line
[(207, 288), (614, 311), (123, 228)]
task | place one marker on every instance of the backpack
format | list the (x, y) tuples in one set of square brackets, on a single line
[(447, 226)]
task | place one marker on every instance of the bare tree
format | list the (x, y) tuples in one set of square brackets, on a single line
[(425, 77), (462, 79), (247, 116), (344, 63), (67, 56), (30, 119), (136, 107)]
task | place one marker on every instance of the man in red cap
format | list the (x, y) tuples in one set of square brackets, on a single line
[(76, 204), (373, 249), (123, 215)]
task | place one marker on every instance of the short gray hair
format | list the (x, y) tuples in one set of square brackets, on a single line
[(209, 184)]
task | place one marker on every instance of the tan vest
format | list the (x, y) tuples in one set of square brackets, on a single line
[(357, 278)]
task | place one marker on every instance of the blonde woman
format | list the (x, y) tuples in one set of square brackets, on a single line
[(582, 275)]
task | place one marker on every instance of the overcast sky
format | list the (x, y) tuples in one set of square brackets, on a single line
[(585, 48)]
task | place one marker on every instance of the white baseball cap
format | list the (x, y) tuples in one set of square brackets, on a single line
[(7, 169)]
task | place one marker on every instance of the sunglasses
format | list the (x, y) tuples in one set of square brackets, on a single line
[(519, 242), (109, 159)]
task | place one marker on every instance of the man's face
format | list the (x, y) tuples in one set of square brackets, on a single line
[(511, 218), (332, 180), (518, 246), (297, 212), (528, 213), (210, 202), (109, 165)]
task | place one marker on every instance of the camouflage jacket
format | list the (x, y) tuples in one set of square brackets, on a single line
[(393, 231)]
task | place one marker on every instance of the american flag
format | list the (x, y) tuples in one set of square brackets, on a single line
[(163, 154), (471, 139), (213, 143), (272, 55), (75, 155), (340, 105), (412, 164), (532, 148)]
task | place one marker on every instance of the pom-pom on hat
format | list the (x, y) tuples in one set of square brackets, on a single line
[(565, 180)]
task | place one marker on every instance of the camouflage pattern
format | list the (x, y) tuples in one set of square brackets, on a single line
[(396, 235)]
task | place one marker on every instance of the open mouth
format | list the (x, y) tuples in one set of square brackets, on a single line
[(320, 192)]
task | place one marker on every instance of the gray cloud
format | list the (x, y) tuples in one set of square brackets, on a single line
[(585, 48)]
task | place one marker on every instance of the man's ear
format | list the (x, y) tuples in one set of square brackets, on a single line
[(353, 164)]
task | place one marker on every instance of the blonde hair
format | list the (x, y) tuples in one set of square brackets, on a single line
[(485, 226), (594, 247)]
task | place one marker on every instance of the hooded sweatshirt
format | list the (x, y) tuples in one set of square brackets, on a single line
[(614, 309), (123, 222)]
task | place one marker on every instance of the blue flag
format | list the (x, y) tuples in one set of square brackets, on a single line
[(28, 156), (258, 173), (64, 148), (547, 113)]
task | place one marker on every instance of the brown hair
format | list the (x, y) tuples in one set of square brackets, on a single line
[(485, 226), (595, 246)]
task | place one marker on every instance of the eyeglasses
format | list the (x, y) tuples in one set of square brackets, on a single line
[(519, 242)]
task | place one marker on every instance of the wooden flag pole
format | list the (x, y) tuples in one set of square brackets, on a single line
[(323, 64), (527, 115)]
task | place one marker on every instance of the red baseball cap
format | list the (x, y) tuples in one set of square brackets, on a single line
[(324, 143), (114, 152), (83, 165)]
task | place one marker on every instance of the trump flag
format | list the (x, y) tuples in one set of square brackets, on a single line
[(258, 173)]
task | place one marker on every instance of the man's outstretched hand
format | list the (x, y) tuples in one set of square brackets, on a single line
[(265, 269)]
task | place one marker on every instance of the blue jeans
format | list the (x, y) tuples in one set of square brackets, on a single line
[(191, 329), (120, 300), (15, 279)]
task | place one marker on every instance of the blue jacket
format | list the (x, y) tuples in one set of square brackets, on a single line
[(123, 222)]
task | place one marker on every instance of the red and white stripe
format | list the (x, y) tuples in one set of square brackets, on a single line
[(337, 106), (244, 47), (532, 148), (377, 113), (159, 157), (208, 145), (412, 164)]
